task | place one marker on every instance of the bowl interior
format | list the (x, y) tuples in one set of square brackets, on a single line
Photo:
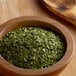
[(31, 23)]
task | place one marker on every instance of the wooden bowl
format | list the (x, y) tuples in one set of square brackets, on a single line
[(10, 70)]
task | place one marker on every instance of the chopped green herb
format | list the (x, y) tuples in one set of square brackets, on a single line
[(32, 47)]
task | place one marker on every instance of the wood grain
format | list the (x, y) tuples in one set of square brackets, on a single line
[(66, 9), (15, 8)]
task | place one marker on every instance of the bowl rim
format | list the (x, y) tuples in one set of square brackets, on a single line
[(6, 66)]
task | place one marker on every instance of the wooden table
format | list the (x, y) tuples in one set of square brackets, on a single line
[(14, 8)]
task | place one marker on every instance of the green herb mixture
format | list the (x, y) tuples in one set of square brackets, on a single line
[(32, 47)]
